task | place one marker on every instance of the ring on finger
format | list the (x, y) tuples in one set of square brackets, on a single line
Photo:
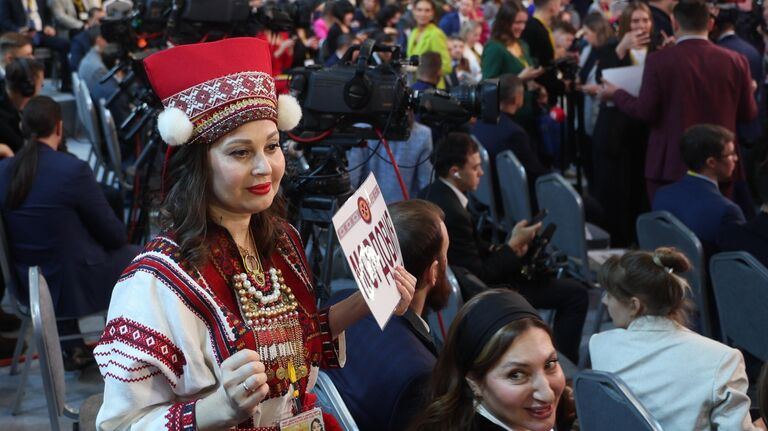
[(248, 390)]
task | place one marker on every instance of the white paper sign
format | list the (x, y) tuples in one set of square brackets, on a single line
[(368, 239), (627, 78)]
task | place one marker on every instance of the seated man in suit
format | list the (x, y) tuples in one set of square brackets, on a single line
[(33, 18), (709, 153), (509, 135), (751, 236), (458, 168), (386, 375), (13, 46), (23, 80)]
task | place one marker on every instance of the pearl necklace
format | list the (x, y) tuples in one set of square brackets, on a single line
[(261, 305)]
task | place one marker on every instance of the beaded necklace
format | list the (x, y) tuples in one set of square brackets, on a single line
[(269, 308)]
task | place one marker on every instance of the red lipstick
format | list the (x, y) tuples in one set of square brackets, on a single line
[(542, 412), (260, 189)]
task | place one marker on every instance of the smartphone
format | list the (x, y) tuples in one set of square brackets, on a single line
[(539, 217)]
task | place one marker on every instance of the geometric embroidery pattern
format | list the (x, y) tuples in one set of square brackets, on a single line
[(181, 417), (222, 90), (147, 340)]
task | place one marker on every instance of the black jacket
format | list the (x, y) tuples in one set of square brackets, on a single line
[(492, 265), (537, 37), (10, 123)]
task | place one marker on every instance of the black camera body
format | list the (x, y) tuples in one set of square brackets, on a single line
[(346, 96), (341, 97)]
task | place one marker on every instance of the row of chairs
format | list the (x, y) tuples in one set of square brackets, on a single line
[(101, 132), (39, 317)]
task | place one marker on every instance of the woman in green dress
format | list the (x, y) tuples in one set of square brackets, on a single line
[(427, 36), (505, 52)]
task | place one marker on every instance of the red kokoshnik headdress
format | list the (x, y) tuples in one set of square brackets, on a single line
[(210, 89)]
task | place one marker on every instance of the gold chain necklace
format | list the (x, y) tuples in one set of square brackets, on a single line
[(252, 262)]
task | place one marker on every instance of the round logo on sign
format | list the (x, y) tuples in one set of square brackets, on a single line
[(364, 209)]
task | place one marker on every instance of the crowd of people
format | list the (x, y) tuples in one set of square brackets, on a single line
[(215, 322)]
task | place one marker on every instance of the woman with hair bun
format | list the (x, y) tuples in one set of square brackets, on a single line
[(685, 380)]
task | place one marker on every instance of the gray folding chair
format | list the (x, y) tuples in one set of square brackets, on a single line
[(513, 185), (46, 342), (662, 229), (440, 322), (93, 130), (605, 403), (113, 146), (330, 401), (740, 283), (484, 193), (566, 211), (79, 117)]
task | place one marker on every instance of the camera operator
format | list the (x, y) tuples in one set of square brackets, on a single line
[(457, 164)]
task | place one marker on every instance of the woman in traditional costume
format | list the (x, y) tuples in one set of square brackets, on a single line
[(214, 325)]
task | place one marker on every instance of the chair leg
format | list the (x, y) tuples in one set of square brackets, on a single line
[(19, 346), (23, 382)]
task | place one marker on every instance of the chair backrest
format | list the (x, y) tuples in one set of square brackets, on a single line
[(46, 339), (605, 403), (76, 90), (513, 185), (447, 314), (662, 229), (91, 122), (566, 211), (740, 283), (113, 144), (331, 402), (484, 192)]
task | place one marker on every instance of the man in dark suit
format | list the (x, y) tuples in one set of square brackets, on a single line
[(661, 13), (710, 155), (508, 135), (34, 19), (751, 236), (690, 83), (21, 83), (458, 169), (386, 376), (724, 34), (538, 35)]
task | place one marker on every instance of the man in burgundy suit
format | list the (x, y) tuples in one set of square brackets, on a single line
[(690, 83)]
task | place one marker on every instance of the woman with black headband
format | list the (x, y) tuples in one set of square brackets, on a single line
[(497, 371), (685, 380)]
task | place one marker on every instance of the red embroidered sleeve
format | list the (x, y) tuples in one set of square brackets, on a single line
[(181, 417), (330, 347)]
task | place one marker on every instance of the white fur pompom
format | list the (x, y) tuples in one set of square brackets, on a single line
[(288, 112), (174, 126)]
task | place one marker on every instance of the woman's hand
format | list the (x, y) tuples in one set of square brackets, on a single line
[(243, 387), (632, 40), (406, 285), (530, 73)]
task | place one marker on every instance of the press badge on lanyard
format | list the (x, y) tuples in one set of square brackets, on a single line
[(311, 420)]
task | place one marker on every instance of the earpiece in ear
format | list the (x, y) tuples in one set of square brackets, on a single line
[(457, 175)]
